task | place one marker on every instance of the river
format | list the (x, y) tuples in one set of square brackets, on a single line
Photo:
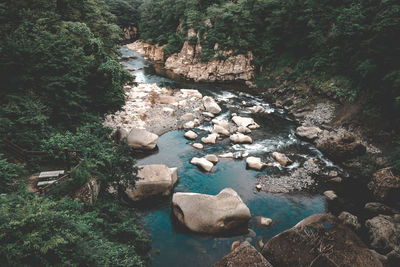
[(172, 245)]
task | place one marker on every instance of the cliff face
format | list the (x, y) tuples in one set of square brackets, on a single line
[(152, 52), (129, 33), (187, 62)]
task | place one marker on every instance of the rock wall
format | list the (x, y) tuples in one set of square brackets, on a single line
[(187, 62), (130, 33), (152, 52)]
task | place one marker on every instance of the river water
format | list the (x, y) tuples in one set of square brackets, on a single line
[(172, 245)]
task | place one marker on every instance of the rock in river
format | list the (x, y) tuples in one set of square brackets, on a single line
[(190, 135), (202, 163), (255, 163), (309, 133), (210, 214), (156, 179), (319, 240), (212, 158), (341, 146), (244, 255), (142, 139), (241, 138), (281, 158), (210, 139), (210, 105)]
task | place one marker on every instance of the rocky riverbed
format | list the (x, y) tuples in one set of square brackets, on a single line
[(223, 128)]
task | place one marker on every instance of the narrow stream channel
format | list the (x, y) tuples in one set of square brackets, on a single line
[(174, 246)]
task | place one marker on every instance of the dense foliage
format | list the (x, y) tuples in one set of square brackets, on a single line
[(59, 73), (101, 158), (356, 40), (37, 231), (58, 66)]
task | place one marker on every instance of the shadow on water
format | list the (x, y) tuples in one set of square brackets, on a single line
[(173, 244)]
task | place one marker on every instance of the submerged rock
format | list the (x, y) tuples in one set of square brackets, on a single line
[(155, 180), (210, 214), (281, 158), (255, 163), (243, 255), (203, 163), (142, 139), (212, 158), (319, 240)]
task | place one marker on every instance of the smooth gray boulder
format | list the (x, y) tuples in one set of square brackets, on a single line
[(210, 105), (210, 214), (281, 158), (255, 163), (239, 138), (220, 130), (190, 135), (210, 139), (243, 121), (243, 130), (242, 256), (202, 163), (142, 139), (155, 180), (222, 123)]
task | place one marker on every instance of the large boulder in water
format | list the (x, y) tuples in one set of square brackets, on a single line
[(210, 214), (239, 138), (385, 186), (142, 139), (319, 240), (155, 180), (203, 163), (210, 105), (281, 158), (244, 255)]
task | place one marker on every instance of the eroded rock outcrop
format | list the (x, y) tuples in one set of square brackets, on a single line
[(188, 64), (210, 214), (155, 180), (319, 239), (341, 146)]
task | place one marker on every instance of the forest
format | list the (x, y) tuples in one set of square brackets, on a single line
[(60, 74)]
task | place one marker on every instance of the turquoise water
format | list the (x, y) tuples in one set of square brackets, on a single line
[(173, 245)]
